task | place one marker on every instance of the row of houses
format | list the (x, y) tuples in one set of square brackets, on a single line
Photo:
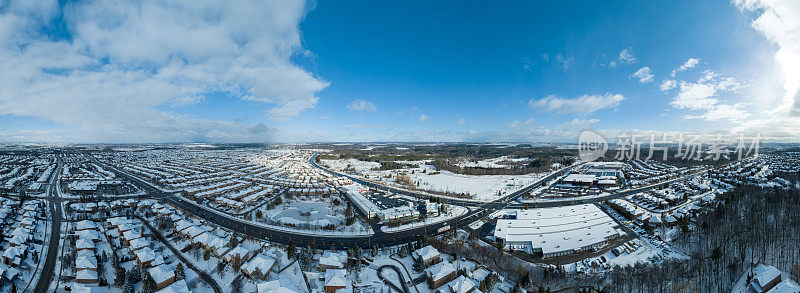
[(254, 264), (126, 235), (87, 234), (442, 276), (24, 231)]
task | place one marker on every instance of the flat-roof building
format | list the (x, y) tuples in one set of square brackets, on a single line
[(557, 231)]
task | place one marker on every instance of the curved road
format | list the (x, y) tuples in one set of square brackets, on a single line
[(380, 238), (389, 282)]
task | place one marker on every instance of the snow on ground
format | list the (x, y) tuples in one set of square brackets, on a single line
[(309, 214), (414, 163), (491, 163), (316, 214), (484, 187), (355, 164), (476, 225)]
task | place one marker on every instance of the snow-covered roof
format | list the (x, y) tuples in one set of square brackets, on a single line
[(84, 244), (260, 263), (426, 253), (440, 270), (177, 287), (273, 287), (334, 259), (131, 234), (86, 275), (182, 224), (581, 178), (85, 225), (12, 252), (138, 243), (462, 285), (236, 252), (558, 229), (787, 286), (81, 288), (88, 234), (161, 273), (762, 275), (145, 254), (83, 262), (335, 278)]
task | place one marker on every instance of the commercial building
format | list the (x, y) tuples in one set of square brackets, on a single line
[(376, 204), (552, 232)]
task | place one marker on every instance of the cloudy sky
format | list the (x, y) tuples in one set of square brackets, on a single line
[(287, 71)]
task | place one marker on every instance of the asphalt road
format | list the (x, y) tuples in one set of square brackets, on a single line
[(380, 238), (49, 268), (389, 282)]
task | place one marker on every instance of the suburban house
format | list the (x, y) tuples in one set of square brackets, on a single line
[(440, 273), (335, 279), (162, 275), (258, 267), (427, 255), (764, 278)]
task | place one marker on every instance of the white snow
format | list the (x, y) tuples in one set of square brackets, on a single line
[(356, 164)]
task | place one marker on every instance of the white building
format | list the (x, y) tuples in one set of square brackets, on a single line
[(557, 231)]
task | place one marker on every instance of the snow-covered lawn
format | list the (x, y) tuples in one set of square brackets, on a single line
[(315, 214), (309, 214)]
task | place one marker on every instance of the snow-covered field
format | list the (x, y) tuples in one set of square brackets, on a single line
[(491, 163), (486, 187), (348, 164), (309, 214)]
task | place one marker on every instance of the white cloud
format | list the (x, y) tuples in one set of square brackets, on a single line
[(422, 118), (362, 105), (572, 127), (612, 64), (692, 62), (779, 22), (626, 56), (517, 123), (462, 121), (124, 59), (643, 74), (722, 111), (728, 84), (695, 96), (546, 57), (703, 95), (667, 85), (581, 105), (565, 62), (188, 100)]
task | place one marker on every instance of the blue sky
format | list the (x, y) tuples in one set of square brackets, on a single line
[(266, 71)]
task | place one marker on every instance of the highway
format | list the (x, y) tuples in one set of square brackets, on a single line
[(379, 238), (49, 268)]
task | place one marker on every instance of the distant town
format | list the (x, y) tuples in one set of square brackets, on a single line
[(392, 218)]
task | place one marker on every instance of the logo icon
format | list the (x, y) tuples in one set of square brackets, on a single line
[(591, 146)]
